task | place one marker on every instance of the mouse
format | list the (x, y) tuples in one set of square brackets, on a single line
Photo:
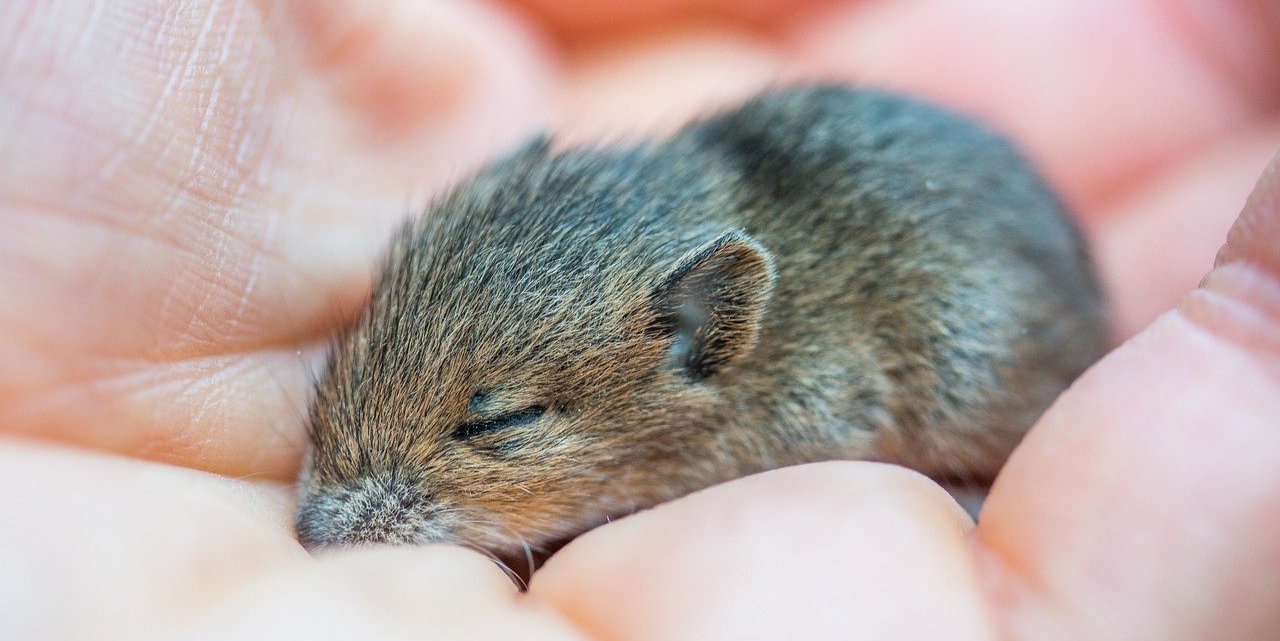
[(569, 336)]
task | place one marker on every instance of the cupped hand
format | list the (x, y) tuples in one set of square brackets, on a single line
[(192, 197)]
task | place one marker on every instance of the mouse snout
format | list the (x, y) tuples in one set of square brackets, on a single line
[(367, 511)]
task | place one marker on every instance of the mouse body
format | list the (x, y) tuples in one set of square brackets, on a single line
[(569, 337)]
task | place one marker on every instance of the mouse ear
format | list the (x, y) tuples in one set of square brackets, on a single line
[(712, 302)]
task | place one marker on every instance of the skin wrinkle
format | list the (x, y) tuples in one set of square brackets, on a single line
[(1239, 304), (208, 276), (139, 392), (215, 282), (1240, 299), (255, 270), (1252, 237), (190, 314), (219, 272), (132, 142), (195, 172), (209, 104), (241, 186)]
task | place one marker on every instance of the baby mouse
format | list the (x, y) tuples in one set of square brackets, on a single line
[(568, 337)]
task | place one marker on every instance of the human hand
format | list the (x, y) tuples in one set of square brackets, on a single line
[(185, 214)]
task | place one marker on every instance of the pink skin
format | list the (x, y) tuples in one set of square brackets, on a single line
[(190, 199)]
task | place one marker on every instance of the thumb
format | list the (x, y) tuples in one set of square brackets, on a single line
[(1144, 504)]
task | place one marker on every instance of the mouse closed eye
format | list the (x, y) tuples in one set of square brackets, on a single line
[(503, 432), (822, 273), (474, 429)]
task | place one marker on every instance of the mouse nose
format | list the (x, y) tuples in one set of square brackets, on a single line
[(367, 511)]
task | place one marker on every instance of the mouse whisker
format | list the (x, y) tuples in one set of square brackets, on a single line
[(249, 476), (528, 553), (502, 565), (300, 410)]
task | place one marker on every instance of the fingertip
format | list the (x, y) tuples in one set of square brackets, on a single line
[(1254, 237), (421, 81), (1240, 299), (799, 552)]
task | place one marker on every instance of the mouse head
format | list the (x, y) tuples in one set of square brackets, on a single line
[(510, 387)]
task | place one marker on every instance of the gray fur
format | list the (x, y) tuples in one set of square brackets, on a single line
[(822, 273)]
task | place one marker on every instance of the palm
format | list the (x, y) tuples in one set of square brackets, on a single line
[(186, 217)]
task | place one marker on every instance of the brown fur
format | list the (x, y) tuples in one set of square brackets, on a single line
[(822, 273)]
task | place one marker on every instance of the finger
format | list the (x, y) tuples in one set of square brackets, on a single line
[(1098, 92), (189, 199), (434, 592), (93, 546), (431, 89), (1144, 504), (1253, 239), (114, 548), (826, 551)]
